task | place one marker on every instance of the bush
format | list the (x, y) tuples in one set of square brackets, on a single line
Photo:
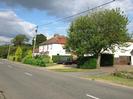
[(18, 54), (61, 58), (86, 62), (11, 57), (38, 61), (33, 61), (124, 74), (107, 60), (46, 58), (4, 51)]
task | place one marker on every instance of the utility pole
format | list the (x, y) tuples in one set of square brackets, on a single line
[(34, 45), (9, 48)]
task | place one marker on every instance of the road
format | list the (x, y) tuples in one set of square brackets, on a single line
[(22, 82)]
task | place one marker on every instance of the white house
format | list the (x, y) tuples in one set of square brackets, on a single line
[(36, 52), (54, 46), (123, 54)]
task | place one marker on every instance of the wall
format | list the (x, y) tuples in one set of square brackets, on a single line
[(121, 52), (53, 49)]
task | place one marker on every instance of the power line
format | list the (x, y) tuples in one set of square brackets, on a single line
[(77, 13), (36, 28)]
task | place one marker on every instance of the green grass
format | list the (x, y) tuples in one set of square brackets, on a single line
[(113, 79), (70, 70), (50, 64)]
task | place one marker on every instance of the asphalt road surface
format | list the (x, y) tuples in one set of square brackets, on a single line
[(22, 82)]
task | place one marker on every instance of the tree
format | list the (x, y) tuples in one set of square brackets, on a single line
[(29, 54), (18, 54), (19, 40), (4, 51), (39, 39), (100, 31)]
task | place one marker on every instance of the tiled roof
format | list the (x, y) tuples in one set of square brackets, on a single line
[(55, 40)]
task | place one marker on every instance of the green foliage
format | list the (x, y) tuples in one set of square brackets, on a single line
[(29, 54), (26, 48), (37, 61), (19, 40), (98, 32), (18, 54), (4, 51), (86, 62), (11, 57), (45, 58), (107, 60), (40, 38), (124, 74), (61, 58), (33, 61)]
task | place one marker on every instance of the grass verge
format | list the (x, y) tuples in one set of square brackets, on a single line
[(50, 64), (113, 79), (71, 70)]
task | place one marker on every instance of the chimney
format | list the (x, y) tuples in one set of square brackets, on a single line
[(56, 35)]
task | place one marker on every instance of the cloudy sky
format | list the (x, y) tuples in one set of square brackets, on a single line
[(20, 16)]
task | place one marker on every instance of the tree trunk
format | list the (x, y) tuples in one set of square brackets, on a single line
[(98, 61)]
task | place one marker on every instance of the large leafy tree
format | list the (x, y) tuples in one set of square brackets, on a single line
[(39, 39), (97, 32), (19, 40)]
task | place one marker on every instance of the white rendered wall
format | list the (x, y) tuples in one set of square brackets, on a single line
[(53, 49)]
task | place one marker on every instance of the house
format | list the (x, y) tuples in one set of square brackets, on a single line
[(54, 46), (36, 52), (123, 55)]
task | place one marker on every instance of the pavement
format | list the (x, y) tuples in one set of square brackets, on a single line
[(18, 81)]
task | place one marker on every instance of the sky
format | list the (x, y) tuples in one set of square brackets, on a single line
[(21, 16)]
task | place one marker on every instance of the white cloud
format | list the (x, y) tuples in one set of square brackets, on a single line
[(59, 8), (4, 40), (66, 7), (11, 25)]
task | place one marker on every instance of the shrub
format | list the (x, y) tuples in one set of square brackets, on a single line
[(61, 58), (86, 62), (46, 58), (18, 54), (4, 51), (33, 61), (38, 61), (11, 57)]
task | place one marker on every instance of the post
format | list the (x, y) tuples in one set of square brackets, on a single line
[(9, 48), (34, 45)]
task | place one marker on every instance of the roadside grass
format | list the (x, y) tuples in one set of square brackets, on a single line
[(66, 68), (113, 79), (70, 70), (50, 64)]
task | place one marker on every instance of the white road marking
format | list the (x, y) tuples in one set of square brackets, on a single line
[(10, 66), (28, 74), (93, 97)]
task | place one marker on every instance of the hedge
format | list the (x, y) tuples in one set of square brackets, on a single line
[(107, 59), (45, 58), (61, 58), (33, 61), (86, 62)]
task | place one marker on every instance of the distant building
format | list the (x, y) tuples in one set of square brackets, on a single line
[(54, 46)]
